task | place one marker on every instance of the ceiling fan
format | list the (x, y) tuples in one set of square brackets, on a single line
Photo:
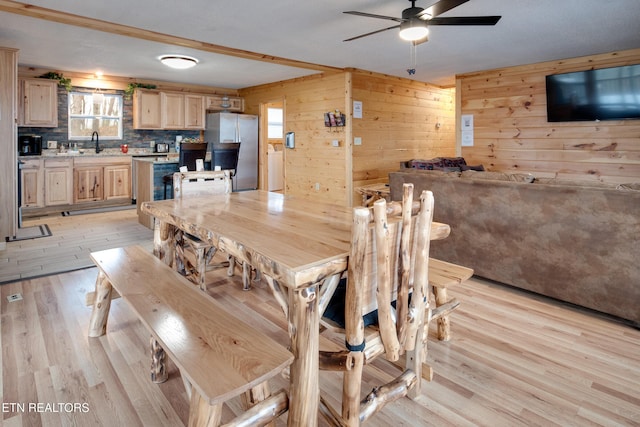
[(415, 21)]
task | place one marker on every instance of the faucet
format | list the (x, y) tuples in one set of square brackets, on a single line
[(98, 149)]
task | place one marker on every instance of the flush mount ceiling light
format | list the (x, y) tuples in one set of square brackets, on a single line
[(180, 62)]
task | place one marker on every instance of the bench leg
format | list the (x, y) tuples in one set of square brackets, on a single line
[(255, 395), (246, 276), (202, 414), (444, 325), (101, 305), (158, 368)]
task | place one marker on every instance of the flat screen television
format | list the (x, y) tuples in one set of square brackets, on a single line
[(604, 94)]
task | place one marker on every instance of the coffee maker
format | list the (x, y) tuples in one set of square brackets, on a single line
[(30, 145)]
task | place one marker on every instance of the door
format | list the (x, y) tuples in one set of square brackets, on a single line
[(272, 133)]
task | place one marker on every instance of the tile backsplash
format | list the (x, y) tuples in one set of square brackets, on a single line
[(136, 138)]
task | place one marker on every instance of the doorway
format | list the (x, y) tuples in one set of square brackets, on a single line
[(272, 135)]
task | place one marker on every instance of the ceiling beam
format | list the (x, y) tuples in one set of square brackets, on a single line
[(38, 12)]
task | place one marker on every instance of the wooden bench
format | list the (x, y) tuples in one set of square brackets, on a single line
[(442, 275), (219, 356)]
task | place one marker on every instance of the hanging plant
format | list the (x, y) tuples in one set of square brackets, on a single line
[(131, 87), (62, 81)]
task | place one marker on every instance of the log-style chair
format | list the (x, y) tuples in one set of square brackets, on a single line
[(197, 184), (387, 287)]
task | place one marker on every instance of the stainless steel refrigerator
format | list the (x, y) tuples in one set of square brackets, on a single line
[(242, 128)]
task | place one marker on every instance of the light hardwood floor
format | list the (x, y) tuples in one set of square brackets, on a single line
[(72, 239), (514, 360)]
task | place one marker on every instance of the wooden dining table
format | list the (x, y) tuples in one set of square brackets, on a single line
[(296, 244)]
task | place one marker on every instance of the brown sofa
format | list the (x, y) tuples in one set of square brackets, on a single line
[(572, 241)]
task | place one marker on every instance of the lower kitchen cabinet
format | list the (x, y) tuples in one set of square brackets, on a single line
[(102, 178), (87, 183), (31, 183), (55, 184), (58, 182), (117, 182)]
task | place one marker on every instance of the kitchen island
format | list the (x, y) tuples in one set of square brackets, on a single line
[(148, 184)]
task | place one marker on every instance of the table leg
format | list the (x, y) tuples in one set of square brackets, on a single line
[(304, 326), (164, 241)]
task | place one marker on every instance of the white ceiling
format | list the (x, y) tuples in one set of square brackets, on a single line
[(312, 31)]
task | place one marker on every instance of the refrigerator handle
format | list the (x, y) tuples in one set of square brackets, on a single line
[(238, 131)]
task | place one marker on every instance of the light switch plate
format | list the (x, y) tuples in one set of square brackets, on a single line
[(52, 144), (357, 141)]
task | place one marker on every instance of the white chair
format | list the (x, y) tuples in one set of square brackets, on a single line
[(197, 184)]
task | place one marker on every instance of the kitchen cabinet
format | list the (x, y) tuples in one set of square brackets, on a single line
[(147, 109), (87, 184), (177, 110), (58, 182), (194, 111), (172, 110), (232, 104), (38, 103), (32, 183), (102, 178), (117, 182)]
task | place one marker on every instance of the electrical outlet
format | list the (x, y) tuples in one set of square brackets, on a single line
[(357, 141), (52, 145), (152, 144), (335, 143), (317, 186)]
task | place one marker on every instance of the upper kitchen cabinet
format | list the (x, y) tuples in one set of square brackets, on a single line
[(194, 111), (225, 103), (172, 110), (168, 110), (147, 110), (38, 103)]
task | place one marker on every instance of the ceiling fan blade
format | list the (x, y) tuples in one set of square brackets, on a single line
[(465, 20), (442, 6), (371, 15), (371, 33)]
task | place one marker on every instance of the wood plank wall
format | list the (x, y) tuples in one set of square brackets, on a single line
[(314, 159), (402, 120), (512, 133)]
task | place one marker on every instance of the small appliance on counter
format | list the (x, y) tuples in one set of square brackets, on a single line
[(162, 148), (30, 145)]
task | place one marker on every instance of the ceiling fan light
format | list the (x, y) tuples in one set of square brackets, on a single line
[(179, 62), (414, 32)]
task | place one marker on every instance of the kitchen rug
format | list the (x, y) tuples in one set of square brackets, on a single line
[(27, 233)]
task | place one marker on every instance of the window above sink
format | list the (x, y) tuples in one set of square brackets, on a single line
[(89, 112)]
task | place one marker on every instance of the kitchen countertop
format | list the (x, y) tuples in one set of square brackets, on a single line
[(171, 158), (87, 152)]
